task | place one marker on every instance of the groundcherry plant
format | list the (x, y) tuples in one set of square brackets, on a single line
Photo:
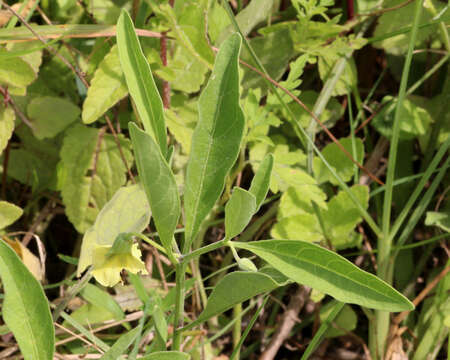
[(216, 143)]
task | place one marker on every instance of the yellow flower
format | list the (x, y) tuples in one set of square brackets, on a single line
[(107, 265)]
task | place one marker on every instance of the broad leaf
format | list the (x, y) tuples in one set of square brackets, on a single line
[(159, 184), (127, 211), (7, 117), (338, 160), (346, 320), (261, 181), (216, 139), (326, 271), (235, 288), (16, 72), (51, 115), (25, 308), (91, 171), (8, 213), (140, 81), (238, 211), (121, 345), (167, 355), (107, 87)]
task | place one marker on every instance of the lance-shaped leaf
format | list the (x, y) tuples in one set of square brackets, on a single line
[(261, 181), (159, 184), (121, 345), (328, 272), (167, 355), (236, 288), (216, 139), (238, 211), (140, 81), (25, 308)]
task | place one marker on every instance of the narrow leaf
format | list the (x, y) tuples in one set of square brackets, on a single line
[(167, 355), (328, 272), (140, 81), (102, 299), (238, 211), (121, 345), (261, 181), (233, 289), (216, 139), (25, 308), (159, 184)]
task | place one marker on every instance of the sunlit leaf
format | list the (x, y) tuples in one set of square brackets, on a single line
[(9, 213)]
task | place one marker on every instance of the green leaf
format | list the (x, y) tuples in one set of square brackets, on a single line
[(326, 271), (7, 117), (159, 184), (108, 86), (346, 320), (25, 308), (160, 322), (16, 72), (102, 299), (338, 160), (260, 183), (8, 213), (167, 355), (51, 115), (127, 211), (140, 81), (121, 345), (440, 219), (90, 172), (235, 288), (415, 119), (216, 139), (238, 211)]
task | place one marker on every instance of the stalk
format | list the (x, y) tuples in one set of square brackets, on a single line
[(377, 342), (179, 305)]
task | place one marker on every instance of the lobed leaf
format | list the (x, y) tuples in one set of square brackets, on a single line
[(328, 272), (216, 139), (25, 308)]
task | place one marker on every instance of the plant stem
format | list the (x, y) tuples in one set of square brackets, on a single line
[(378, 342), (237, 310), (179, 305), (203, 250)]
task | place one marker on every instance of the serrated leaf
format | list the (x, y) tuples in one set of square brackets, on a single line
[(121, 345), (51, 115), (159, 184), (108, 86), (91, 171), (260, 183), (238, 211), (415, 120), (297, 220), (216, 139), (30, 53), (7, 117), (127, 211), (167, 355), (326, 271), (235, 288), (338, 160), (16, 72), (25, 308), (9, 213), (140, 81)]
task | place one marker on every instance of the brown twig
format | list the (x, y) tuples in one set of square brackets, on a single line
[(288, 321)]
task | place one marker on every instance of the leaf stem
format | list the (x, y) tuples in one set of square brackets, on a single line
[(203, 250)]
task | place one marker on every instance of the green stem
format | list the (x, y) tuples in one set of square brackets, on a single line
[(384, 241), (179, 305), (203, 250), (237, 310)]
